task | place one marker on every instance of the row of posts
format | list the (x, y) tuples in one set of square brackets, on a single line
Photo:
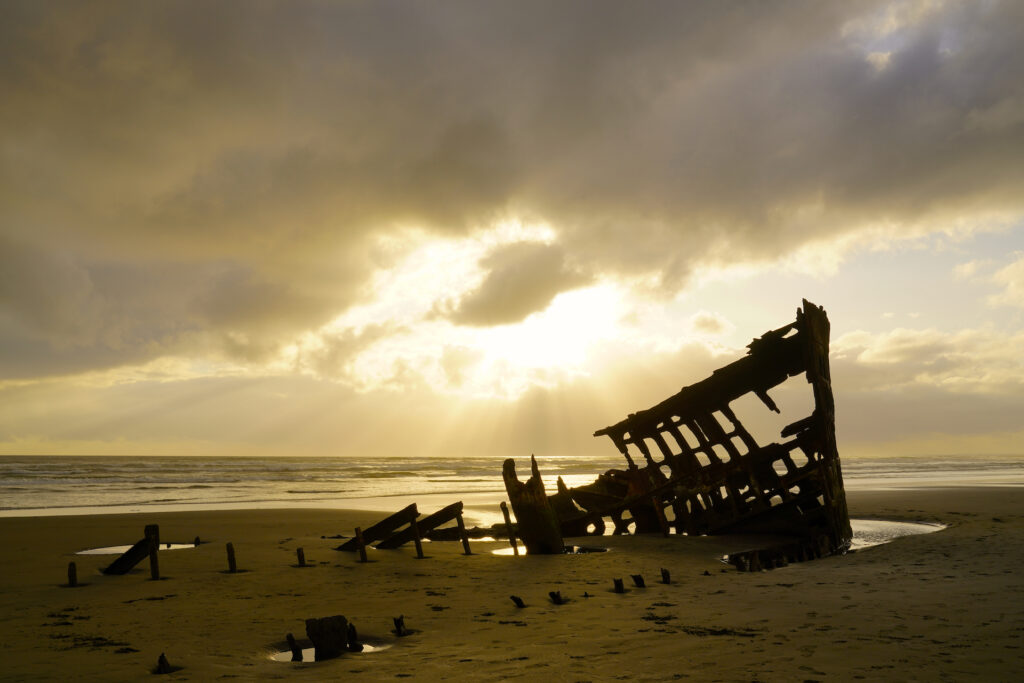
[(152, 537)]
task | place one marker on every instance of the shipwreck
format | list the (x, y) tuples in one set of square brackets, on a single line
[(692, 466)]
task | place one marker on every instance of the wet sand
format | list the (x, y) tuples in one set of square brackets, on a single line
[(947, 606)]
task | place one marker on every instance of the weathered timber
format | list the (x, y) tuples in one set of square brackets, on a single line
[(445, 514), (518, 601), (300, 556), (383, 528), (294, 647), (692, 454), (232, 565), (638, 580), (153, 534), (508, 527), (464, 537), (400, 630), (556, 597), (414, 528), (353, 639), (329, 636), (617, 586), (666, 577), (137, 553), (360, 544), (162, 665), (536, 522), (72, 575)]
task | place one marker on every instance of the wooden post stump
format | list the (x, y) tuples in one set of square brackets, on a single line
[(72, 575), (617, 586), (508, 526), (152, 534), (417, 539), (329, 636), (638, 580), (665, 576), (301, 556), (360, 544), (294, 647), (232, 567), (537, 523), (463, 535)]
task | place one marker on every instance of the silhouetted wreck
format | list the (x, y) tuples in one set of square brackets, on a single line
[(694, 467)]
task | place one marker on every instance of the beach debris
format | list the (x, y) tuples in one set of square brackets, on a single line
[(518, 601), (329, 636), (361, 545), (232, 565), (414, 527), (556, 597), (300, 555), (144, 547), (382, 529), (665, 576), (72, 575), (196, 541), (400, 630), (638, 580), (389, 534), (691, 455), (414, 532), (461, 524), (294, 647), (508, 527), (163, 666), (617, 586), (153, 534), (537, 523), (353, 639)]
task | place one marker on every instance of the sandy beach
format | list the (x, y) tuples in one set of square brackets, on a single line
[(945, 606)]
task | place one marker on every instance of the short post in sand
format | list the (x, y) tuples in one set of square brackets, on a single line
[(463, 535), (360, 544), (508, 527), (294, 647), (417, 539), (300, 556), (72, 575), (232, 567), (665, 576), (152, 533)]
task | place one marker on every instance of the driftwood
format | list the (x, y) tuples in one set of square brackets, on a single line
[(383, 528), (538, 526), (691, 455), (137, 553), (329, 636), (419, 526)]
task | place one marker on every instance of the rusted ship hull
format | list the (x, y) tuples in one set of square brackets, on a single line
[(692, 465)]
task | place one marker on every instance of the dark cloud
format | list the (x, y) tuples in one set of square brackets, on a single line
[(521, 279), (157, 142)]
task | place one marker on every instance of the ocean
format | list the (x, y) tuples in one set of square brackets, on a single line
[(60, 485)]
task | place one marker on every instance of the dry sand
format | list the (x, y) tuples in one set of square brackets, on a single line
[(942, 606)]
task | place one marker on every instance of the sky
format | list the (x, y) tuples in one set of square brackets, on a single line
[(492, 228)]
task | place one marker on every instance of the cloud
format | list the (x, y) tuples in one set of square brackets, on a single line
[(231, 167), (1011, 278), (713, 324), (969, 361), (521, 279)]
